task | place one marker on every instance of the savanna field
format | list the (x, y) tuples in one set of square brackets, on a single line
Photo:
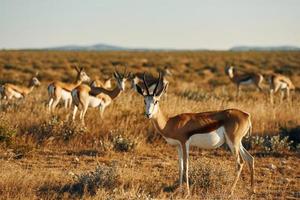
[(47, 156)]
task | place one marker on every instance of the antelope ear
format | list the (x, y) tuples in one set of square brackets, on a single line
[(37, 73), (139, 90), (162, 90)]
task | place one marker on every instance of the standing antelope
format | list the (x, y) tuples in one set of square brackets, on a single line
[(98, 83), (9, 91), (244, 79), (281, 82), (59, 90), (84, 96), (207, 130)]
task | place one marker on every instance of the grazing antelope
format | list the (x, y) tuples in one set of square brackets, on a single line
[(207, 130), (9, 91), (244, 79), (59, 90), (98, 83), (281, 82), (84, 96)]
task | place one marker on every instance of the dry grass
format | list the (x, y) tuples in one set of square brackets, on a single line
[(40, 153)]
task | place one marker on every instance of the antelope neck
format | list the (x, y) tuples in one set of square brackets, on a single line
[(111, 93), (114, 93), (159, 121)]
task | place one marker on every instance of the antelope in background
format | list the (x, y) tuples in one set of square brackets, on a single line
[(282, 83), (84, 96), (137, 79), (59, 90), (9, 91), (244, 79), (207, 130), (98, 83)]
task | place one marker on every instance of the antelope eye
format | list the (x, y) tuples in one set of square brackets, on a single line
[(155, 102)]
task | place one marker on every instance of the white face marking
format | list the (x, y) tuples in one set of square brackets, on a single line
[(151, 106), (36, 81), (121, 83), (210, 140), (230, 71), (84, 77)]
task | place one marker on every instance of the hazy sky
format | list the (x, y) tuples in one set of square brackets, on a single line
[(213, 24)]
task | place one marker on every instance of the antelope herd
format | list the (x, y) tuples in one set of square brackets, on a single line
[(208, 130)]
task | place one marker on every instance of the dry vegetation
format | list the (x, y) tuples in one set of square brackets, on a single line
[(45, 156)]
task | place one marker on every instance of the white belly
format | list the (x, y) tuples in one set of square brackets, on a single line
[(210, 140), (283, 85), (65, 95), (246, 82), (172, 141), (17, 95), (94, 101)]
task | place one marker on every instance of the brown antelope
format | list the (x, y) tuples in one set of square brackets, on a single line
[(84, 96), (244, 79), (280, 82), (59, 90), (9, 91), (207, 130), (98, 83)]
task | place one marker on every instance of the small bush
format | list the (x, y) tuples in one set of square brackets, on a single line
[(123, 144), (103, 177), (293, 135), (268, 144), (120, 142), (205, 176), (56, 129)]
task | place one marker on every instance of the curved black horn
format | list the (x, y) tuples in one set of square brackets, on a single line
[(125, 70), (145, 84), (157, 84), (118, 74)]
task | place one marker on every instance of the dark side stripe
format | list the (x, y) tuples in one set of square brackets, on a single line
[(248, 78)]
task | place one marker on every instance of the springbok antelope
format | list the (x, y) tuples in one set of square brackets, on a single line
[(9, 91), (98, 83), (207, 130), (58, 90), (84, 96), (244, 79), (281, 82)]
